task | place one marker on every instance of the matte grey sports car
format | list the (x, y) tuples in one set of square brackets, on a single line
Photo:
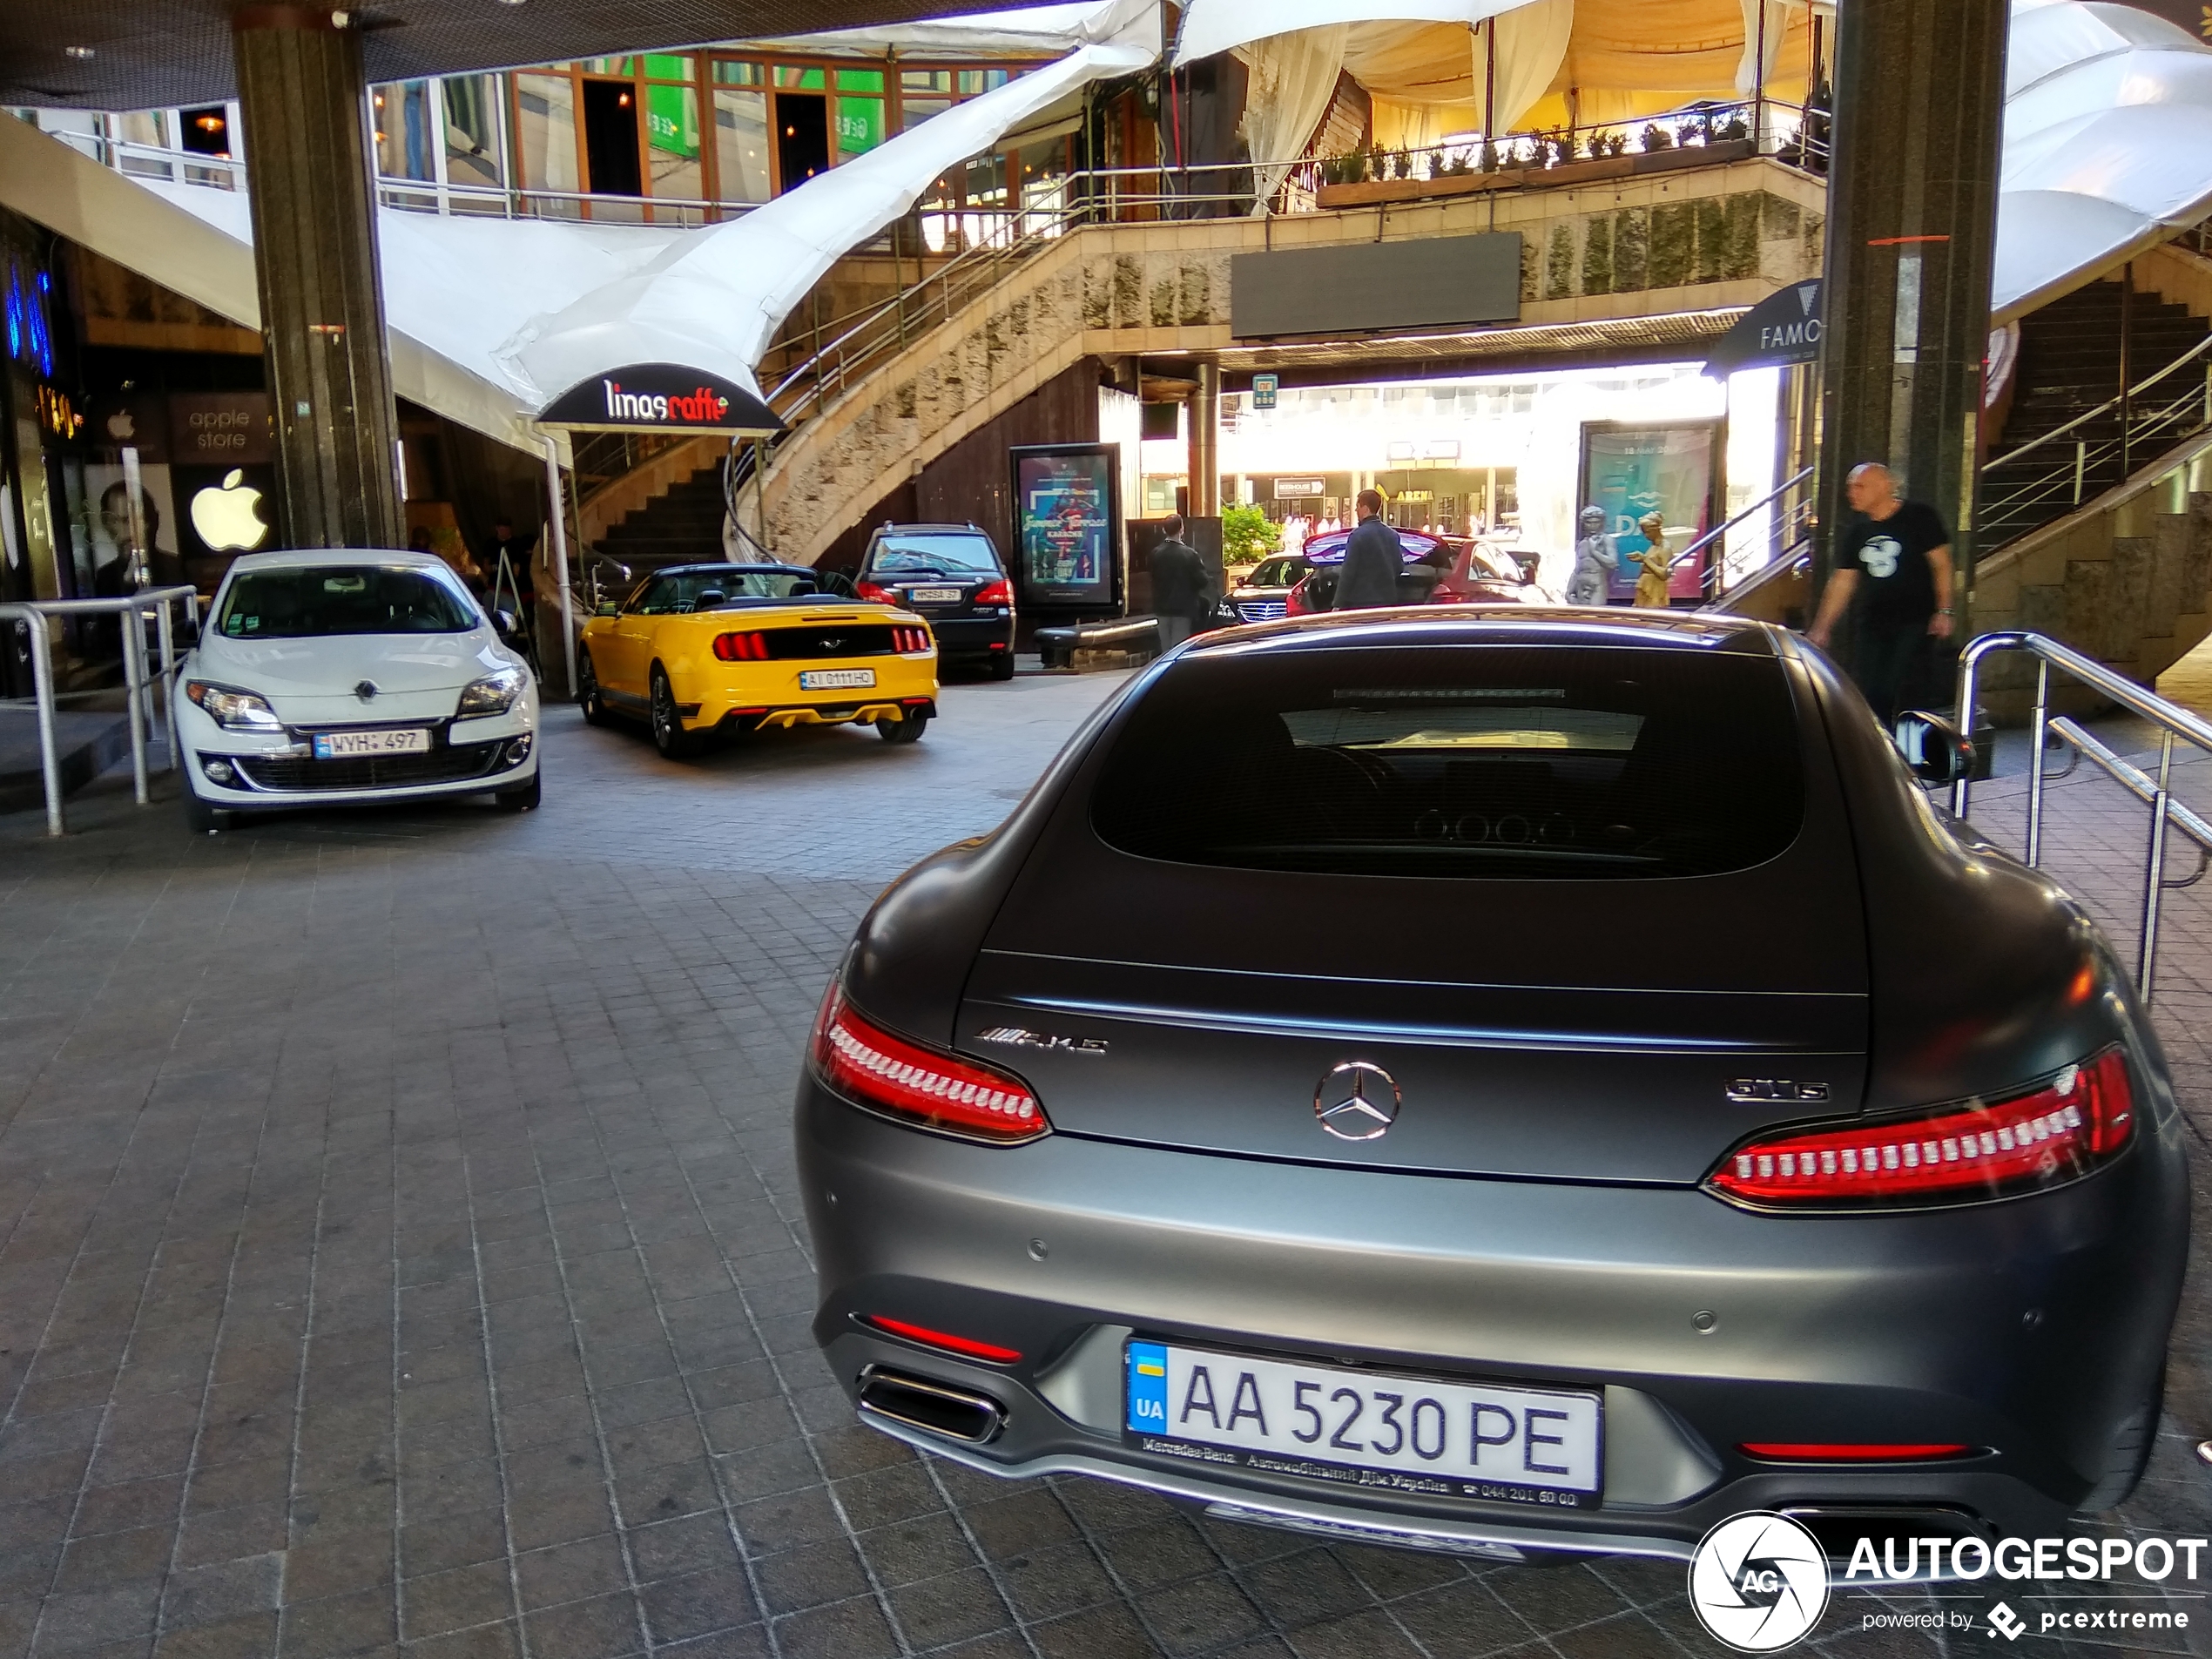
[(1504, 1082)]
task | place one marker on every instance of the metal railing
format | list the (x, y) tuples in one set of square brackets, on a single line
[(2180, 413), (2173, 722), (1783, 536), (146, 711)]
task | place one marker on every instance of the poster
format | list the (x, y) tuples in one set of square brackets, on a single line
[(1068, 523), (112, 536), (1629, 470)]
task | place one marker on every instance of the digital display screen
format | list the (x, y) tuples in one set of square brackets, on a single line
[(1067, 524)]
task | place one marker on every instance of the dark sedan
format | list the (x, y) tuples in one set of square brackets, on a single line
[(1438, 570), (1504, 1082)]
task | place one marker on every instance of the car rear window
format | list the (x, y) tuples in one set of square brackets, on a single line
[(1512, 763), (938, 553), (325, 599)]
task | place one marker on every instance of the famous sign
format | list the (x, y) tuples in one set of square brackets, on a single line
[(661, 397), (1785, 327)]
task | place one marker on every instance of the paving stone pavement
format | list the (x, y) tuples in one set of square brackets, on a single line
[(399, 1251)]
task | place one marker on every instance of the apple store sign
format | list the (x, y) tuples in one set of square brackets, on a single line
[(226, 517)]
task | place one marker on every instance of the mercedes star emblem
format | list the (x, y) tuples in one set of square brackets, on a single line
[(1356, 1101)]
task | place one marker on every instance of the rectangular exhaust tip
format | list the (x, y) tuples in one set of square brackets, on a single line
[(938, 1408)]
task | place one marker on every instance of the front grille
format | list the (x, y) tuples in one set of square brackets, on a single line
[(827, 639), (1262, 609), (291, 774)]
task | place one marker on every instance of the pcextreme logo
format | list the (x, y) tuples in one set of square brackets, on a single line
[(1758, 1581)]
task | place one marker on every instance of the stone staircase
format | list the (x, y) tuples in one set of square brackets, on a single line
[(2071, 353), (680, 525)]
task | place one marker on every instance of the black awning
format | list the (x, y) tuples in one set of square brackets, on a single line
[(1785, 327), (661, 397)]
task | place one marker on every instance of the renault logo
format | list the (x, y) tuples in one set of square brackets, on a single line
[(1356, 1101)]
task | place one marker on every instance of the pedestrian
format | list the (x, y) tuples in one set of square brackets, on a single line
[(1591, 584), (1657, 564), (1182, 592), (1893, 573), (1373, 559)]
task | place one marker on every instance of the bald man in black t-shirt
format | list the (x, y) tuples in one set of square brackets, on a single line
[(1894, 560)]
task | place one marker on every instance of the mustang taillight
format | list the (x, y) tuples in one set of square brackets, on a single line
[(902, 1079), (741, 648), (909, 640), (2053, 1134), (999, 593)]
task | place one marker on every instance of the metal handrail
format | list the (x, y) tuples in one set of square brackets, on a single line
[(33, 614), (2173, 720), (2108, 405), (1727, 524)]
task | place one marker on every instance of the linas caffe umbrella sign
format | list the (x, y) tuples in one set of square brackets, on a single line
[(661, 397)]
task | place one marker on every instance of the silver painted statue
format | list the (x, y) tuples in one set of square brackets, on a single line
[(1594, 562)]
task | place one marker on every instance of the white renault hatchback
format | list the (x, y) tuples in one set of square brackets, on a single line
[(350, 678)]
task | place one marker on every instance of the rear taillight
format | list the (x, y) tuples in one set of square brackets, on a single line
[(2054, 1134), (999, 593), (1854, 1451), (741, 648), (906, 640), (880, 595), (871, 1067), (968, 1347)]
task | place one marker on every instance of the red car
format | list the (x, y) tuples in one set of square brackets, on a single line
[(1438, 570)]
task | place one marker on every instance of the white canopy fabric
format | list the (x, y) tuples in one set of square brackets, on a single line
[(714, 300), (2107, 144), (1211, 26)]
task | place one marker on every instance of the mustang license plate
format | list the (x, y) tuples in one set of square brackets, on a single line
[(1401, 1433), (833, 679), (344, 746), (933, 595)]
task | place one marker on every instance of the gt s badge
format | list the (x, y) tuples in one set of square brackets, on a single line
[(1776, 1089), (1013, 1036)]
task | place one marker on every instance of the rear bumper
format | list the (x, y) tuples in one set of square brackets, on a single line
[(973, 636), (1900, 1328), (770, 693)]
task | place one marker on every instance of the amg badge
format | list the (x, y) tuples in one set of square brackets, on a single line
[(1013, 1036), (1766, 1088)]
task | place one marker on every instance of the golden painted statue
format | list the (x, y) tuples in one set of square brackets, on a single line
[(1657, 562)]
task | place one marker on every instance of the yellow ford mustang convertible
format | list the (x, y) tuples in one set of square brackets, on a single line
[(700, 651)]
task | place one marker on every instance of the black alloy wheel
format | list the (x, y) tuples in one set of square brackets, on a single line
[(587, 691), (668, 735), (1002, 666)]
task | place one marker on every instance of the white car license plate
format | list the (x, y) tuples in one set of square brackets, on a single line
[(1407, 1433), (343, 745), (933, 595), (835, 679)]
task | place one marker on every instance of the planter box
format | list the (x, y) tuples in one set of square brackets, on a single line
[(1375, 192)]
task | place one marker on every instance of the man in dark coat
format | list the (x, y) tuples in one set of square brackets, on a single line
[(1181, 589), (1373, 559)]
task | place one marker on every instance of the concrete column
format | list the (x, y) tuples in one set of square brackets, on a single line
[(308, 165), (1205, 441), (1912, 223)]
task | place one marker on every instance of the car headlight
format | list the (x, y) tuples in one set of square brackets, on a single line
[(232, 709), (494, 694)]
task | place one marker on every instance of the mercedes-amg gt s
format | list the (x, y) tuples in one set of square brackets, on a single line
[(1506, 1081)]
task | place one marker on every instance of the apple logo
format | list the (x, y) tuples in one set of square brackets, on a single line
[(227, 515), (121, 427)]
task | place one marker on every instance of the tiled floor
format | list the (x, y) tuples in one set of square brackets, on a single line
[(398, 1250)]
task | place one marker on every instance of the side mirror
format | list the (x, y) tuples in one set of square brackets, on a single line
[(607, 608), (503, 623), (1936, 750)]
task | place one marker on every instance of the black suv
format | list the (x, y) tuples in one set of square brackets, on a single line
[(950, 574)]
